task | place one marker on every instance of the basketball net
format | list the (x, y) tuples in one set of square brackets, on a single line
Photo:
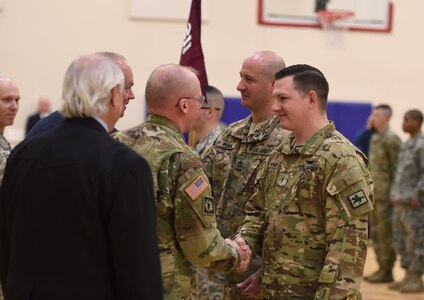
[(333, 26)]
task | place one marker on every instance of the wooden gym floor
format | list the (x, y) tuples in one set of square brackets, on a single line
[(379, 291)]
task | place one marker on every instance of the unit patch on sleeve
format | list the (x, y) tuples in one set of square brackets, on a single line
[(208, 206), (358, 199), (196, 188)]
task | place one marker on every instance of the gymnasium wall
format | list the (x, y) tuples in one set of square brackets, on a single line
[(39, 39)]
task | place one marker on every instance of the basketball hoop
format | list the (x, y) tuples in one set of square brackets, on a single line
[(332, 23), (328, 18)]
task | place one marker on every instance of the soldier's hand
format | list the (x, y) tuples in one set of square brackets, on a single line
[(251, 286), (244, 252)]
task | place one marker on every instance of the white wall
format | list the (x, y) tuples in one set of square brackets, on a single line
[(39, 38)]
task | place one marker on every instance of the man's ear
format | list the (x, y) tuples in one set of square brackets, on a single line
[(182, 106), (210, 113), (271, 86), (312, 98)]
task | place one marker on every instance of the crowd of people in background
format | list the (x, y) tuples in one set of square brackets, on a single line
[(397, 219), (274, 206)]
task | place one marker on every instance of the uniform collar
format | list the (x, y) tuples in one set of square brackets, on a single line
[(311, 145), (165, 122), (260, 133)]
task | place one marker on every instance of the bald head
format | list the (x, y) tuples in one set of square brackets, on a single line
[(9, 102), (6, 81), (268, 62), (167, 84)]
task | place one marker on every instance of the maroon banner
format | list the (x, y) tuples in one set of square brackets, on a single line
[(192, 53)]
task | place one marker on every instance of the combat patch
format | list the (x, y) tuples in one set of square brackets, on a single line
[(196, 187), (357, 199), (208, 206)]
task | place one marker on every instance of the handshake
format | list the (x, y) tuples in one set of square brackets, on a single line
[(244, 251)]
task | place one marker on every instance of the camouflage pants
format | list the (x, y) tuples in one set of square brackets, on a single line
[(382, 235), (205, 289), (408, 236)]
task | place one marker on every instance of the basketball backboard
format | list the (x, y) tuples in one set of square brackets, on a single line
[(368, 15)]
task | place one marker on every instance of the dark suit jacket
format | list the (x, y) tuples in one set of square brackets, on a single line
[(45, 124), (77, 218), (32, 119)]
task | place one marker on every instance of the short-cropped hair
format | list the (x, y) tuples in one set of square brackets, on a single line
[(305, 79), (416, 115), (385, 108), (87, 86)]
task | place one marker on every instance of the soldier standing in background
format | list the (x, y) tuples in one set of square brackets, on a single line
[(207, 127), (233, 161), (383, 154), (9, 104), (407, 196), (317, 192), (187, 232)]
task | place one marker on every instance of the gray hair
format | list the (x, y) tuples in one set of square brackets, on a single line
[(87, 85)]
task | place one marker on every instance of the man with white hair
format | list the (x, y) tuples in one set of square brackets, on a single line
[(55, 118), (77, 213)]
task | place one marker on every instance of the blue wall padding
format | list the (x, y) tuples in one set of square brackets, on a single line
[(349, 117)]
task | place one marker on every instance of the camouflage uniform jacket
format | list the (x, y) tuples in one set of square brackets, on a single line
[(231, 165), (409, 178), (186, 224), (200, 147), (313, 229), (4, 154), (384, 151)]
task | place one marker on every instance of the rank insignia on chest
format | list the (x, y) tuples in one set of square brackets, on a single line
[(357, 199), (273, 165), (310, 166), (196, 188), (208, 206)]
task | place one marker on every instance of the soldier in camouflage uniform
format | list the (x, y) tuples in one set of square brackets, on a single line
[(407, 196), (9, 104), (383, 153), (317, 190), (233, 161), (207, 128), (187, 232)]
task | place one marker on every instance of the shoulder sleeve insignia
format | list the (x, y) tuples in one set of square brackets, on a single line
[(208, 206), (196, 187), (358, 199)]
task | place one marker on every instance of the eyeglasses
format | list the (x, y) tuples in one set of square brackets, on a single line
[(201, 99), (205, 107)]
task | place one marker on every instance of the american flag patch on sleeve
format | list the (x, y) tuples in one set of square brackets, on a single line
[(196, 187)]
